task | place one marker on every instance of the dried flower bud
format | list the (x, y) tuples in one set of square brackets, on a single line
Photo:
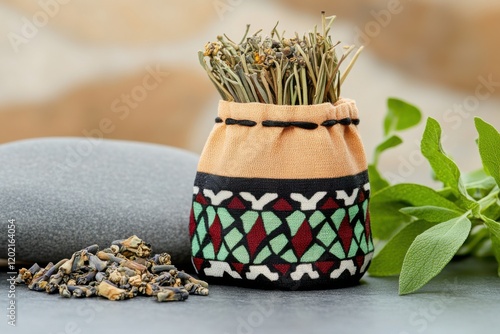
[(117, 273)]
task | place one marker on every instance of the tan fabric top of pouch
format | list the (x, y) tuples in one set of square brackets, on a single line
[(290, 152)]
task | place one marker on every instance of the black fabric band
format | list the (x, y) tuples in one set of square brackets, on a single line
[(260, 186)]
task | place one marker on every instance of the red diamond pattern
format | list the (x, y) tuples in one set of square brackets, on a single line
[(282, 268), (197, 263), (200, 199), (329, 204), (359, 260), (192, 224), (299, 243), (236, 204), (215, 232), (345, 234), (302, 239), (255, 236), (367, 226), (282, 205), (237, 266), (361, 197), (324, 266)]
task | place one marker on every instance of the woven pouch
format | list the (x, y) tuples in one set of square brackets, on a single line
[(281, 198)]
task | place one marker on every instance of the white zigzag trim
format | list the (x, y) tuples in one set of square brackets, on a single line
[(348, 200), (217, 269), (367, 186), (368, 258), (303, 269), (308, 204), (344, 265), (258, 204), (219, 198), (261, 270)]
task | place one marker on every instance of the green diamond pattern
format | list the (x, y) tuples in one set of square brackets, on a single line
[(249, 218), (197, 209), (271, 221), (201, 230), (195, 246), (278, 243), (295, 220), (316, 218), (313, 253), (289, 256), (241, 254), (223, 253), (233, 237), (211, 215), (353, 211), (358, 230), (363, 245), (326, 235), (225, 218), (208, 252), (337, 217), (241, 223), (353, 249), (338, 250), (370, 245), (264, 254)]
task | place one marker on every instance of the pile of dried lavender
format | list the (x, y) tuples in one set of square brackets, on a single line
[(278, 70), (124, 270)]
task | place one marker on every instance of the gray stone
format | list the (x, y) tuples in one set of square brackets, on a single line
[(68, 193)]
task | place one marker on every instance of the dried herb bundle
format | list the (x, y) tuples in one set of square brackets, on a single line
[(276, 69), (122, 271)]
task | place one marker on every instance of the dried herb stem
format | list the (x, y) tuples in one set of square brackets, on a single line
[(278, 70)]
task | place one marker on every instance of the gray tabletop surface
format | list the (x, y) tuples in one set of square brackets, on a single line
[(465, 298)]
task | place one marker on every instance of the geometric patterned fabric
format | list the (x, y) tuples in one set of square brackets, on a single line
[(281, 233)]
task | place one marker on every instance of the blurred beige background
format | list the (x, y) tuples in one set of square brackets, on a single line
[(127, 69)]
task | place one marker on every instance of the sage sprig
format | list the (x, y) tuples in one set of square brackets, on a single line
[(276, 69), (424, 228)]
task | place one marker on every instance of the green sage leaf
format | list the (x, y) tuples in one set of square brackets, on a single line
[(478, 179), (431, 213), (489, 148), (388, 143), (386, 219), (385, 206), (400, 116), (494, 228), (377, 181), (413, 195), (390, 259), (444, 168), (431, 251), (492, 211), (478, 183)]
